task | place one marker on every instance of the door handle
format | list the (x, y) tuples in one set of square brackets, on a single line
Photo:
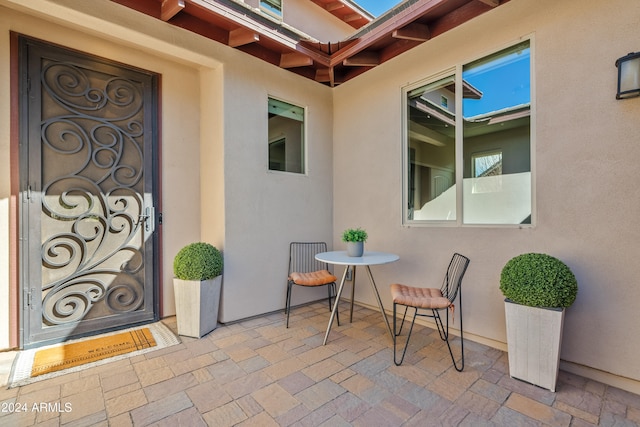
[(149, 219)]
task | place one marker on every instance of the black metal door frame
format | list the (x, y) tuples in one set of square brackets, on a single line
[(76, 277)]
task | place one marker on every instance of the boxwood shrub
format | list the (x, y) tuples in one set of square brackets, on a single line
[(197, 261), (538, 280)]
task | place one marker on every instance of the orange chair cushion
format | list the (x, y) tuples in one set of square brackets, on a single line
[(314, 278), (418, 297)]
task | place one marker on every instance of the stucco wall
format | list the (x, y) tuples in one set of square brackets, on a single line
[(315, 21), (311, 19), (585, 152), (215, 182), (265, 210)]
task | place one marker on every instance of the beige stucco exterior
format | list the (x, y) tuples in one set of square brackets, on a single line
[(308, 18), (216, 186), (584, 151)]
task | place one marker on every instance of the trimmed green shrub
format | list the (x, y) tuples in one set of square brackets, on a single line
[(354, 235), (197, 261), (538, 280)]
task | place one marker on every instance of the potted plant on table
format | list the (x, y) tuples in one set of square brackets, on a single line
[(355, 238), (197, 283), (538, 288)]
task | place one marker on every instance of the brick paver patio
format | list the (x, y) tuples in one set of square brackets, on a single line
[(258, 373)]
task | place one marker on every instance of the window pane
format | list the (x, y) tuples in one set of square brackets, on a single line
[(487, 164), (430, 192), (497, 144), (286, 137), (272, 6)]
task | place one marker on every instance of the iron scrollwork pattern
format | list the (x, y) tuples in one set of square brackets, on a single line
[(92, 194)]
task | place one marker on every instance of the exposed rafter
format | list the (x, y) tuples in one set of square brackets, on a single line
[(416, 32), (333, 6), (351, 17), (170, 8), (241, 36), (245, 28), (295, 59), (324, 75), (347, 11), (363, 59)]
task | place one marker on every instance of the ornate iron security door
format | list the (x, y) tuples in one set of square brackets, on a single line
[(88, 134)]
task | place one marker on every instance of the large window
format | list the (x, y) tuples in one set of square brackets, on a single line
[(286, 137), (468, 143)]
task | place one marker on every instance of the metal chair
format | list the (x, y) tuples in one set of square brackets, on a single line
[(434, 300), (305, 270)]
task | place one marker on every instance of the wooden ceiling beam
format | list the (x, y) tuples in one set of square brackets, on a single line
[(397, 48), (333, 6), (363, 59), (458, 17), (324, 75), (295, 59), (403, 18), (492, 3), (329, 63), (351, 17), (415, 31), (170, 8), (241, 36)]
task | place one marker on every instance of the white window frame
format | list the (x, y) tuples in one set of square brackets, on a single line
[(271, 10), (459, 143), (305, 138)]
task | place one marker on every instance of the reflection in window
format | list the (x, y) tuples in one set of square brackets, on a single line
[(486, 164), (494, 146), (431, 144), (273, 7), (497, 189), (286, 137)]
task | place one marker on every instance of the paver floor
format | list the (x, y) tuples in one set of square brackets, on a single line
[(259, 373)]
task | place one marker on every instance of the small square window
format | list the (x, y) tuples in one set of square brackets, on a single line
[(286, 137)]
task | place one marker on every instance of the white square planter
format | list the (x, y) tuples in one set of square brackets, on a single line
[(534, 336), (197, 305)]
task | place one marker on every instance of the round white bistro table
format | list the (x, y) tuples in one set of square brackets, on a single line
[(366, 260)]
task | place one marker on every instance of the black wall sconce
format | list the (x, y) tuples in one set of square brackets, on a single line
[(628, 76)]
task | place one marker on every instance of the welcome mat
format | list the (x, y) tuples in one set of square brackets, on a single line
[(47, 362), (68, 355)]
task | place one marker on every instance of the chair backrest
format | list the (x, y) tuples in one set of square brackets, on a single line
[(453, 278), (302, 256)]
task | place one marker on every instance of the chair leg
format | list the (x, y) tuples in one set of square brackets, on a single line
[(397, 333), (288, 302), (401, 324), (286, 299), (331, 287), (443, 331), (444, 335)]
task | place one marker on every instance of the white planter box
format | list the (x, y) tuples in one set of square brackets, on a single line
[(197, 305), (534, 336)]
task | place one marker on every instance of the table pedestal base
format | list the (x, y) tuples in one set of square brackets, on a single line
[(337, 301)]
